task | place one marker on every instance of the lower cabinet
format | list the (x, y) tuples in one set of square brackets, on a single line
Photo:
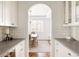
[(10, 54), (62, 51), (20, 49)]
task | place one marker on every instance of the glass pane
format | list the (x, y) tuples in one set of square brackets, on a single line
[(77, 11), (69, 11)]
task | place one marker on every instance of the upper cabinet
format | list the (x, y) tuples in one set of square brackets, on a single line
[(8, 12), (77, 11), (14, 13), (71, 13), (1, 15), (67, 12)]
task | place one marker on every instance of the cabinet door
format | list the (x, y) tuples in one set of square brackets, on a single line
[(10, 13), (73, 11), (1, 19), (20, 49), (59, 49), (13, 13), (7, 14), (70, 16), (67, 12), (63, 51), (71, 53)]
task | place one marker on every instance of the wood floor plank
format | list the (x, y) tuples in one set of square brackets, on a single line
[(36, 54)]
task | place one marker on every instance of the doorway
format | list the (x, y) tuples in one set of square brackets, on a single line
[(40, 31)]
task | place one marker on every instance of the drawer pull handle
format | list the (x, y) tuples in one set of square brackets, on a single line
[(69, 54), (12, 24)]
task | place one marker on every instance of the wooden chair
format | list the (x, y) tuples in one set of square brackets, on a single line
[(33, 42)]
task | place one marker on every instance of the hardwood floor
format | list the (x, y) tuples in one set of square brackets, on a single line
[(41, 50), (36, 54), (43, 46)]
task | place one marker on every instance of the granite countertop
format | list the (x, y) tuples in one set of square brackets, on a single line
[(71, 44), (6, 46)]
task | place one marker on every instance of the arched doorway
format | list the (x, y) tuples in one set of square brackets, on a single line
[(39, 21)]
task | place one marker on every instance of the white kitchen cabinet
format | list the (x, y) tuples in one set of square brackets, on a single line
[(57, 51), (13, 13), (71, 54), (10, 13), (20, 49), (6, 13), (71, 18), (60, 50), (70, 12), (67, 12), (1, 10), (63, 51)]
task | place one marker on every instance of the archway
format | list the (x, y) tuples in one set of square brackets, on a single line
[(40, 21)]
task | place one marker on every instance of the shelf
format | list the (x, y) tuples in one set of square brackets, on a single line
[(8, 25), (71, 24)]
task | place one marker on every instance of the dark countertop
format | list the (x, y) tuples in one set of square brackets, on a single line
[(71, 44), (6, 46)]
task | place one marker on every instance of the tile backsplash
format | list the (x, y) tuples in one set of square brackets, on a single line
[(3, 32)]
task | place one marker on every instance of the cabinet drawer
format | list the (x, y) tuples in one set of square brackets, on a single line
[(20, 49), (56, 44), (63, 51), (71, 54)]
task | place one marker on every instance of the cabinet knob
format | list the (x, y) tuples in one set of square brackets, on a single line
[(69, 54), (69, 20), (12, 24)]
